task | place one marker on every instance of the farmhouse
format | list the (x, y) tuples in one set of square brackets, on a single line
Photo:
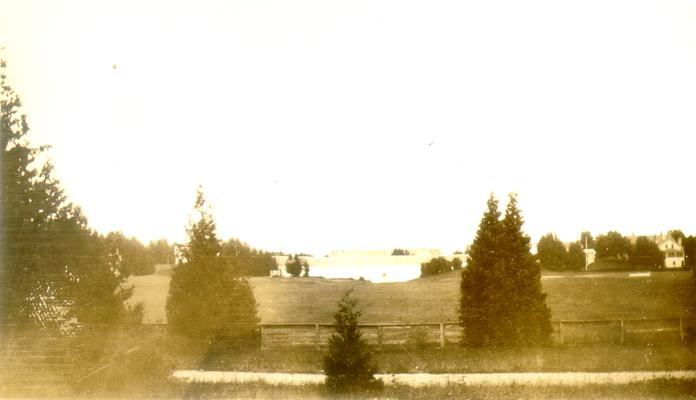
[(672, 249), (674, 252)]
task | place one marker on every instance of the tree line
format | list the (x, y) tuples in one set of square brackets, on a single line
[(612, 250)]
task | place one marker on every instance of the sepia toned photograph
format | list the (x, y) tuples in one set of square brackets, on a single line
[(366, 199)]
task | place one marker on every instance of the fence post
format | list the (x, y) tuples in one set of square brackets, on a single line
[(379, 336), (681, 328), (317, 333), (560, 331), (622, 332), (261, 337), (442, 335)]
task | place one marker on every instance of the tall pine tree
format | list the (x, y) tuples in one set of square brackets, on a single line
[(52, 266), (207, 299), (501, 299)]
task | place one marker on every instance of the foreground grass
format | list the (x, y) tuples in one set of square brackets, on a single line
[(137, 362), (659, 389), (454, 359), (435, 299)]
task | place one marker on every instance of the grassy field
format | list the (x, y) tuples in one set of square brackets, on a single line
[(665, 389), (571, 296), (455, 359)]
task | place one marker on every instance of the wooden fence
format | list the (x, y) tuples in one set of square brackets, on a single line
[(633, 331)]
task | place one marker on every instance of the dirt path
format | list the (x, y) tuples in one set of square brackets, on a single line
[(420, 380)]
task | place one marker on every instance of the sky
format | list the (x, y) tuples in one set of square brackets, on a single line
[(324, 125)]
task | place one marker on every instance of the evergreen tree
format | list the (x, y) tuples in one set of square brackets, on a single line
[(207, 300), (526, 303), (349, 366), (52, 266), (479, 279), (501, 298)]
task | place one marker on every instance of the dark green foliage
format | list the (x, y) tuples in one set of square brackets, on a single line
[(348, 366), (247, 261), (677, 235), (293, 265), (501, 299), (586, 240), (134, 257), (646, 253), (551, 253), (161, 252), (400, 252), (612, 248), (53, 266), (575, 257), (689, 245), (439, 265), (207, 300)]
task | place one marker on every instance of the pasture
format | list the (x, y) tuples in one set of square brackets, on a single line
[(570, 296)]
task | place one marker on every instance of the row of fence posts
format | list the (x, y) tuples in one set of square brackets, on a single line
[(441, 326), (379, 327), (622, 327)]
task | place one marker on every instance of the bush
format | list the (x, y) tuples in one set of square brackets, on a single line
[(440, 265), (348, 366)]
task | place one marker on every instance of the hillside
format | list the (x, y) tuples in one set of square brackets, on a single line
[(435, 299)]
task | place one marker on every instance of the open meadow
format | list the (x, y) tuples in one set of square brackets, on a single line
[(570, 296)]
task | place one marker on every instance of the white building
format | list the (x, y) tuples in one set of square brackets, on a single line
[(674, 252)]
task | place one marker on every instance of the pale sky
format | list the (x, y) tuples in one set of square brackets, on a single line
[(323, 125)]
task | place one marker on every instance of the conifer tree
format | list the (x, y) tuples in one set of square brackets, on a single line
[(207, 300), (501, 298), (50, 261), (478, 278), (349, 366), (529, 315)]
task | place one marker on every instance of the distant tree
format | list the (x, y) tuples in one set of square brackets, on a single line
[(305, 268), (458, 252), (439, 265), (207, 300), (247, 261), (646, 253), (49, 258), (134, 257), (575, 257), (677, 235), (400, 252), (293, 266), (551, 252), (689, 245), (161, 252), (613, 248), (501, 298), (586, 240), (435, 266), (348, 366)]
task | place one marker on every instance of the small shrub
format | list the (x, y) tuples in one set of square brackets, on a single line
[(348, 366)]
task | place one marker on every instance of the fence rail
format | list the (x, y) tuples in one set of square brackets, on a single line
[(619, 331)]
